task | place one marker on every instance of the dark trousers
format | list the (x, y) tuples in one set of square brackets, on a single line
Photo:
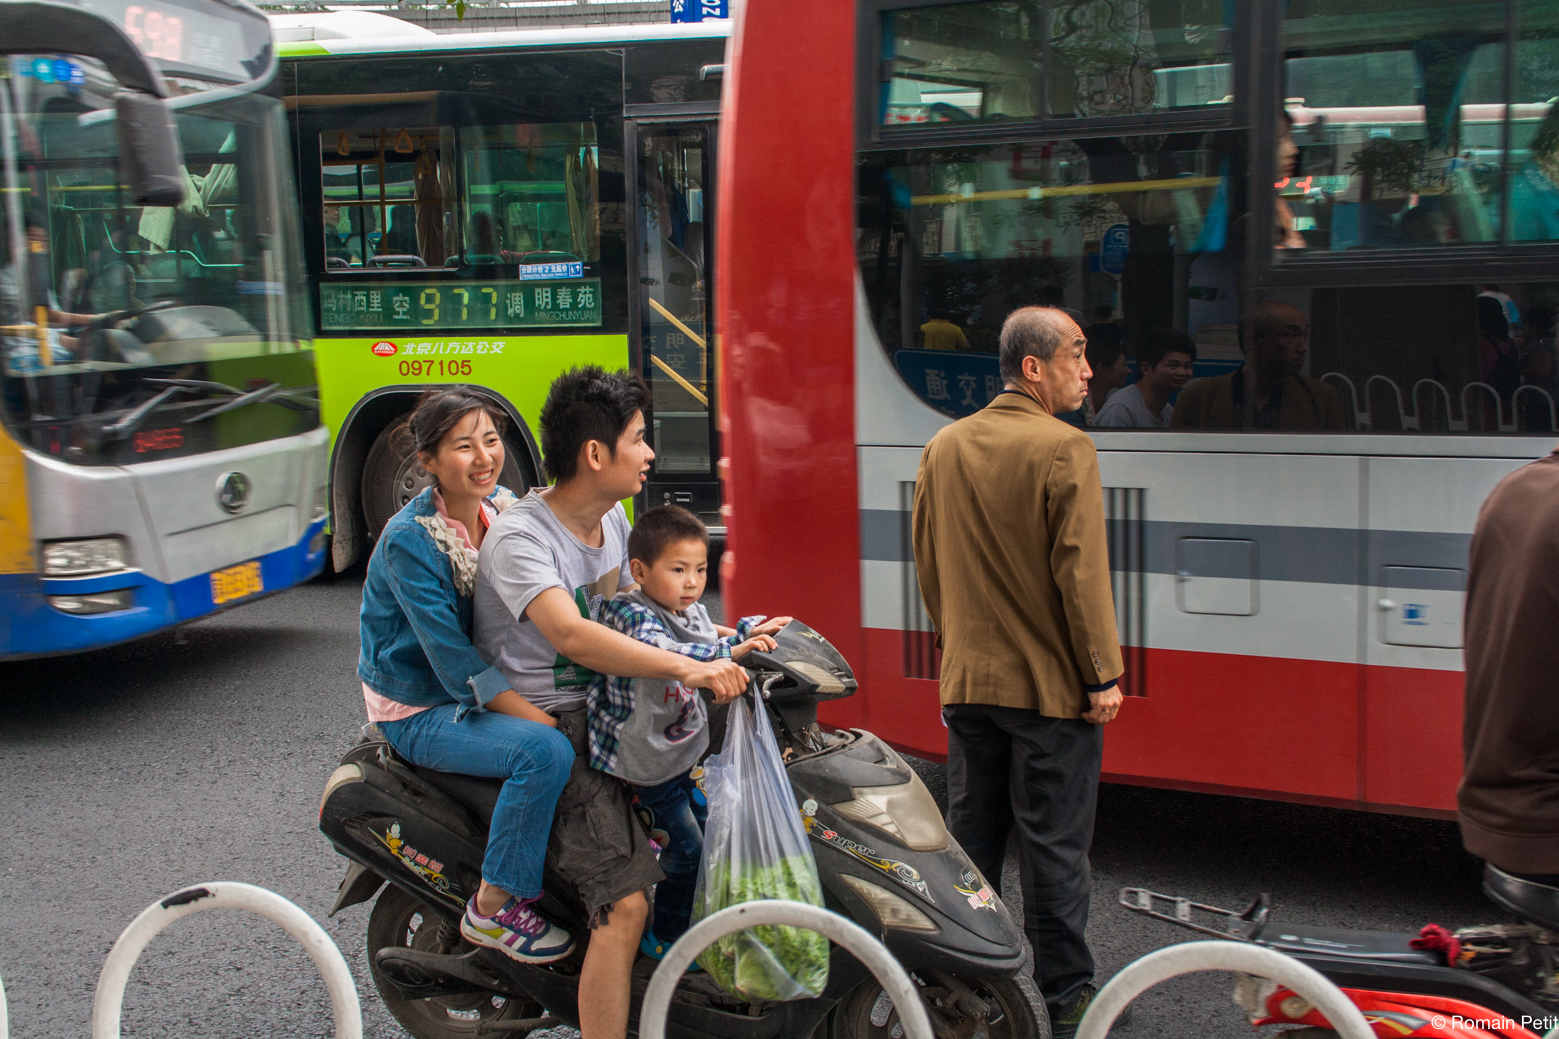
[(675, 812), (1007, 766)]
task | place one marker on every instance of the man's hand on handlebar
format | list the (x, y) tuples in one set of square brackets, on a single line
[(721, 677)]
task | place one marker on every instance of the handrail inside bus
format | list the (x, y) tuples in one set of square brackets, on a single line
[(1118, 187), (663, 366)]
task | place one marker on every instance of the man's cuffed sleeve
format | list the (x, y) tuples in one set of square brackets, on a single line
[(1080, 561), (428, 605)]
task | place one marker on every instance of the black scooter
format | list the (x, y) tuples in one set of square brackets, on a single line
[(1509, 970), (883, 853)]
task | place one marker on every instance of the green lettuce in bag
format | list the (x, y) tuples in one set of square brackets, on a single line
[(756, 848)]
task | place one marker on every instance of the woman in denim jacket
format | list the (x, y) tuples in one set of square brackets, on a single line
[(437, 702)]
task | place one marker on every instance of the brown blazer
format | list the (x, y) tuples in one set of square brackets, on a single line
[(1013, 564), (1209, 404), (1509, 795)]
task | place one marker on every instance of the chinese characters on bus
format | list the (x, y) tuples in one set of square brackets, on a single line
[(417, 305)]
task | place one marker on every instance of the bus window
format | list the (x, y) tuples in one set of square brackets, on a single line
[(950, 241), (664, 73), (1534, 130), (463, 194), (530, 192), (1392, 134), (984, 62), (962, 63), (517, 202), (1109, 58)]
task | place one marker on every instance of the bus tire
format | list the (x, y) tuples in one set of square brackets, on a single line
[(392, 476)]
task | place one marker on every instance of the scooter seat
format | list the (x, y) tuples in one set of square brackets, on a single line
[(476, 793), (1533, 902), (1375, 946)]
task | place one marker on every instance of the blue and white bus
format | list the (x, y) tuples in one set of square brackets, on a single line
[(161, 452)]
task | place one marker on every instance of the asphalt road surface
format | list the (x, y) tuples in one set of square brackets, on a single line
[(200, 754)]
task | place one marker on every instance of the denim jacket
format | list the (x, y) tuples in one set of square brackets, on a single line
[(415, 624)]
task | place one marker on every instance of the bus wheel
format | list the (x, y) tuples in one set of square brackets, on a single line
[(392, 476)]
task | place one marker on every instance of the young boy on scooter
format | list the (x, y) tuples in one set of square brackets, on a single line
[(651, 732)]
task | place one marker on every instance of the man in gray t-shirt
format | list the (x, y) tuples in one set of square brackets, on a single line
[(526, 552), (544, 569)]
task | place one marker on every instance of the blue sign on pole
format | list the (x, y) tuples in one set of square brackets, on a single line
[(1113, 249), (699, 10)]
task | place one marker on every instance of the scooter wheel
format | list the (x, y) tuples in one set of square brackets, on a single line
[(400, 921), (1015, 1011)]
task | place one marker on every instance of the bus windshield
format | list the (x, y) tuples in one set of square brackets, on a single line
[(133, 332)]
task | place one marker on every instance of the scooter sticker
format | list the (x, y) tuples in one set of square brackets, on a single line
[(903, 872), (430, 870), (978, 893)]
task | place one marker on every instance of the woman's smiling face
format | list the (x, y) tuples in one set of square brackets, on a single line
[(469, 458)]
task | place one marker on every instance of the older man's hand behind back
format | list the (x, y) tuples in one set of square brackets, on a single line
[(1103, 706)]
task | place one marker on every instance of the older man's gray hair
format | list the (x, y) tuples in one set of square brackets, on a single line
[(1029, 332)]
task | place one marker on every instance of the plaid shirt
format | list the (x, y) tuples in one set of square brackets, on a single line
[(611, 697)]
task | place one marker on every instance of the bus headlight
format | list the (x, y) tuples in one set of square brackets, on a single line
[(88, 556), (892, 910), (93, 602)]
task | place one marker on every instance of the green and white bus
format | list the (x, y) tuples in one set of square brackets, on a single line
[(493, 209)]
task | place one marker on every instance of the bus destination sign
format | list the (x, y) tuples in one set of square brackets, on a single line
[(353, 306)]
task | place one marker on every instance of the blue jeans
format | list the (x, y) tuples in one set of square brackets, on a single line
[(533, 759), (677, 812)]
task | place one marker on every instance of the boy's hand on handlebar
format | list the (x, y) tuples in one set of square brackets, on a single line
[(772, 626), (762, 643), (721, 677)]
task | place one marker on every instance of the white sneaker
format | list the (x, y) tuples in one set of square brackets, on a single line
[(518, 932)]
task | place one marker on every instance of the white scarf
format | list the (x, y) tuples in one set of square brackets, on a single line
[(462, 557)]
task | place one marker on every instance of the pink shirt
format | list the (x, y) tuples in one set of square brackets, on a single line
[(382, 708)]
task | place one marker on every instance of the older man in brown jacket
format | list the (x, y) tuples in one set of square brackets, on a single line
[(1015, 573)]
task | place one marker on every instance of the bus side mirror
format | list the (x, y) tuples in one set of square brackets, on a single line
[(149, 150)]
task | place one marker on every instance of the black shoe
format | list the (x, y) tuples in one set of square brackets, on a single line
[(1065, 1017)]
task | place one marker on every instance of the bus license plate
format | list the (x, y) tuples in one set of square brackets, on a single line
[(236, 582)]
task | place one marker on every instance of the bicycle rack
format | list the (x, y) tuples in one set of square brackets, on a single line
[(221, 895), (1192, 957), (854, 938)]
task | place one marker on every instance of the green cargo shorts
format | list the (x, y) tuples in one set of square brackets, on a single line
[(597, 842)]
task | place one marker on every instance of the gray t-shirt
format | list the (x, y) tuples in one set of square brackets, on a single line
[(527, 551), (1126, 409)]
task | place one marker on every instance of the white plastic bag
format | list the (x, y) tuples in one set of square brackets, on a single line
[(755, 848)]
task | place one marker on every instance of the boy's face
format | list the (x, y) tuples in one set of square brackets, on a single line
[(676, 579)]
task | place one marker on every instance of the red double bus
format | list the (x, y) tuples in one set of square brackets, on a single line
[(1289, 598)]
